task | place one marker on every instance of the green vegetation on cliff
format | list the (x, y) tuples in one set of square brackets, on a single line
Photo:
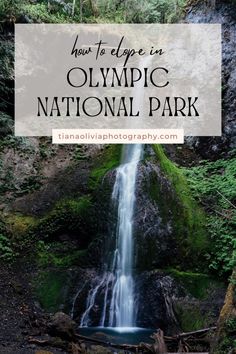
[(197, 284), (67, 215), (50, 289), (188, 218), (108, 160), (213, 185), (59, 255)]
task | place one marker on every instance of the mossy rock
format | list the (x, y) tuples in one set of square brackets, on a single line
[(67, 215), (59, 255), (198, 285), (19, 224), (190, 317), (50, 289), (188, 219), (108, 160)]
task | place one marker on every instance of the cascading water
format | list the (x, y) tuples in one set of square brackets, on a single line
[(121, 312), (117, 285)]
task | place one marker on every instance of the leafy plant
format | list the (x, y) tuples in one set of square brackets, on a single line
[(6, 251), (6, 124), (39, 12), (58, 255), (213, 185), (9, 7), (142, 11)]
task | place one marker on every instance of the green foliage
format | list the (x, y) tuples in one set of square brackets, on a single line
[(106, 162), (6, 75), (30, 184), (213, 185), (231, 324), (49, 289), (6, 251), (6, 124), (210, 178), (227, 342), (6, 59), (6, 177), (57, 255), (189, 219), (190, 317), (117, 11), (67, 214), (18, 143), (40, 13), (142, 11), (19, 225), (79, 154), (199, 285), (9, 7)]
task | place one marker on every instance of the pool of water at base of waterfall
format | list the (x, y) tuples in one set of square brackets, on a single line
[(118, 335)]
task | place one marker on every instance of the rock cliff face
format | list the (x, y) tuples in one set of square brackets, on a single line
[(72, 215), (156, 245), (225, 14), (164, 239)]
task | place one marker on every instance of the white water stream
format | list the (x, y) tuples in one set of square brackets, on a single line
[(121, 312), (117, 286)]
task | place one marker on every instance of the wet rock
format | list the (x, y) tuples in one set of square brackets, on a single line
[(17, 287), (171, 304), (156, 241), (24, 19), (155, 301), (61, 325)]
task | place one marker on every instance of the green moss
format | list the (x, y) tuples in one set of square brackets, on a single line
[(58, 255), (188, 217), (190, 317), (108, 160), (50, 289), (227, 344), (67, 214), (19, 224), (198, 285), (231, 325), (79, 154)]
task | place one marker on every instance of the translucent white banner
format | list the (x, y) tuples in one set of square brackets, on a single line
[(126, 76)]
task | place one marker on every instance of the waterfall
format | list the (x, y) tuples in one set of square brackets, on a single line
[(121, 313), (117, 285)]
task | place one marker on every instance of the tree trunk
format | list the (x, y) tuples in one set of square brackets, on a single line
[(73, 8), (227, 313), (81, 10)]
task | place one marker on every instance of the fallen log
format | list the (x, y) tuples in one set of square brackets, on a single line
[(130, 347), (52, 342), (199, 331)]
